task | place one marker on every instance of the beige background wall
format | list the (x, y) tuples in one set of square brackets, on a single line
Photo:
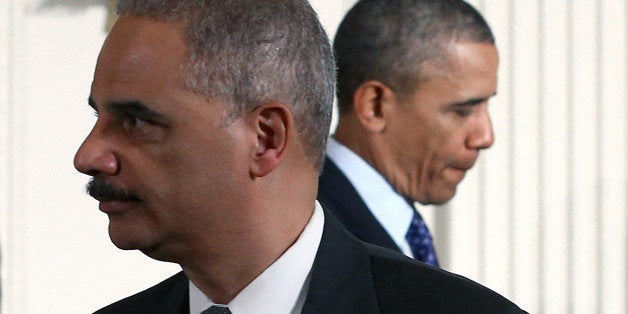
[(542, 219)]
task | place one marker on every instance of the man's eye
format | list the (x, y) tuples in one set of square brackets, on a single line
[(132, 123), (463, 112)]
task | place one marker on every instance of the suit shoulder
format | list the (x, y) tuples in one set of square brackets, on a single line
[(405, 285), (168, 296)]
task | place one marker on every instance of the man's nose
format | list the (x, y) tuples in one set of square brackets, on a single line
[(96, 156), (481, 136)]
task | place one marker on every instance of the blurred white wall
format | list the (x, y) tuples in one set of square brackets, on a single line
[(541, 220)]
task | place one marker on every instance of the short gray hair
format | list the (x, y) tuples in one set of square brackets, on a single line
[(249, 52), (390, 41)]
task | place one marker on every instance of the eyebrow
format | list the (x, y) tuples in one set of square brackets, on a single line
[(133, 108)]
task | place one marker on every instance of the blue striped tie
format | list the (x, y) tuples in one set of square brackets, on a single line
[(420, 241)]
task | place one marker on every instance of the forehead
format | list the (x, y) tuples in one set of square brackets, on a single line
[(466, 67), (480, 58), (464, 58), (140, 50)]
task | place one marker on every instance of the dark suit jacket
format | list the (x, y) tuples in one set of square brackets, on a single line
[(337, 194), (350, 276)]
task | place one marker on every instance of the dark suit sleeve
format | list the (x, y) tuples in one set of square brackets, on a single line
[(407, 286)]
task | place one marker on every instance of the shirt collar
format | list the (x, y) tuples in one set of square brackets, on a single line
[(390, 208), (283, 286)]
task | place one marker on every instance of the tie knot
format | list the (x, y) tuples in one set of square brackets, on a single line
[(217, 310)]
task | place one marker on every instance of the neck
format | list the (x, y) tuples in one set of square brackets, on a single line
[(354, 136), (223, 267)]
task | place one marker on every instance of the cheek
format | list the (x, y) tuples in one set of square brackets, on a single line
[(433, 160), (187, 184), (442, 156), (205, 167), (195, 167), (446, 141)]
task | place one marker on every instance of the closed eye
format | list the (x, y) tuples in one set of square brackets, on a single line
[(464, 109)]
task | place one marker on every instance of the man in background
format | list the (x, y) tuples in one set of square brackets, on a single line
[(211, 128), (414, 80)]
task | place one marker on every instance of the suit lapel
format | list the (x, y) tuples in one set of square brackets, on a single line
[(337, 194), (176, 298), (168, 296), (341, 280)]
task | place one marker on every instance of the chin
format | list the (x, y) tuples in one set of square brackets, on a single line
[(129, 238), (438, 197), (444, 197), (148, 244), (125, 243)]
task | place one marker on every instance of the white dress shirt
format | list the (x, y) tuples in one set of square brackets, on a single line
[(391, 209), (283, 286)]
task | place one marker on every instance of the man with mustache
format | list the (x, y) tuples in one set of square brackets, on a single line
[(414, 80), (212, 122)]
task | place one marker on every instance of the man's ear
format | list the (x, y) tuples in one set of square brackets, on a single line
[(369, 104), (272, 122)]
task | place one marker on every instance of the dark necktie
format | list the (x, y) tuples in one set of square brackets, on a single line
[(217, 310), (420, 241)]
